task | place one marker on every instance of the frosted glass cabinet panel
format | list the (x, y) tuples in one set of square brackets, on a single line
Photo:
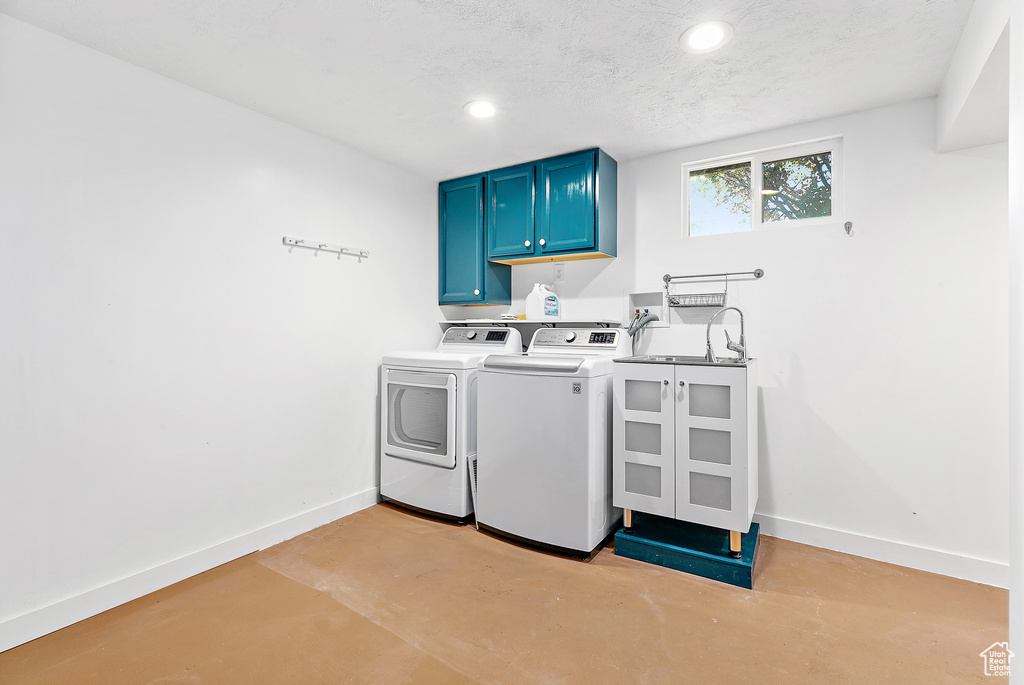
[(709, 400), (713, 446), (685, 442), (643, 437), (643, 395), (711, 491), (643, 480)]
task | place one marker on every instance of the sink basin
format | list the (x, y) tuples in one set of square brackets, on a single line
[(682, 359)]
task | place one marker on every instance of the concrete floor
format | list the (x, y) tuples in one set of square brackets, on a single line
[(384, 596)]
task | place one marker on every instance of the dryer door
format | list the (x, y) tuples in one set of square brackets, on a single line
[(419, 416)]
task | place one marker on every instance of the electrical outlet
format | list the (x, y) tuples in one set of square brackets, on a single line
[(559, 273)]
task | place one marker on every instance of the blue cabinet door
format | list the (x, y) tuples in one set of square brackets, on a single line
[(460, 216), (566, 209), (464, 274), (510, 211)]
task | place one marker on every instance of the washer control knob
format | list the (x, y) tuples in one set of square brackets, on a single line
[(570, 336), (470, 335)]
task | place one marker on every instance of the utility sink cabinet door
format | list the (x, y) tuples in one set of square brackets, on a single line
[(711, 446), (643, 449)]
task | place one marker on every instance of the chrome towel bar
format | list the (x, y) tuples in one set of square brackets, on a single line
[(756, 273)]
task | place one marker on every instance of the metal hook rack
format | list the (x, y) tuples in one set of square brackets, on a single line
[(327, 247), (703, 299)]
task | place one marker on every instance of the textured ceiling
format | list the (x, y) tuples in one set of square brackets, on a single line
[(391, 77)]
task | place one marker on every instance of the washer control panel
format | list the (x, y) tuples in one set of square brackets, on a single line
[(599, 338)]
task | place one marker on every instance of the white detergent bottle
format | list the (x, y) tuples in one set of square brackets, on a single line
[(535, 304), (551, 305)]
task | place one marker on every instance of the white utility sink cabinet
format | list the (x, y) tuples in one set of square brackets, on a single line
[(684, 442)]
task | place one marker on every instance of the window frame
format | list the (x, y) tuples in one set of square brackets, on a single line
[(756, 159)]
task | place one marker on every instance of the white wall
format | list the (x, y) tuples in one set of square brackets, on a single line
[(177, 387), (1016, 205), (882, 355)]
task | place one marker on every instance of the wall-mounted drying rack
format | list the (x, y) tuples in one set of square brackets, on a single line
[(327, 247), (703, 299)]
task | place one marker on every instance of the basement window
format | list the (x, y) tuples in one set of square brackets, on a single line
[(795, 185)]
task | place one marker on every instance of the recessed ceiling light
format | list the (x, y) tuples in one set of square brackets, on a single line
[(481, 109), (706, 37)]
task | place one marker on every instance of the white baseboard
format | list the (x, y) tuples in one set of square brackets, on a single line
[(44, 620), (922, 558)]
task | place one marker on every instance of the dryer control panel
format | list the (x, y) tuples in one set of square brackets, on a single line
[(476, 336)]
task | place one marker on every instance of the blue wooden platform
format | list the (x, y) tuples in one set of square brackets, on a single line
[(689, 547)]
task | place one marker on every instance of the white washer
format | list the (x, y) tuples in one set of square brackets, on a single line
[(428, 420), (544, 459)]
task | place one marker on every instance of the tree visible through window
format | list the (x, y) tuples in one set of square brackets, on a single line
[(716, 204), (798, 188), (792, 187)]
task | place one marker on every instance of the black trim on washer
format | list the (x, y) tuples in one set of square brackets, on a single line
[(462, 520), (585, 556)]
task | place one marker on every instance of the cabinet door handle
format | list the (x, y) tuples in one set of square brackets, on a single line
[(542, 242), (476, 292), (666, 382), (526, 244), (681, 384)]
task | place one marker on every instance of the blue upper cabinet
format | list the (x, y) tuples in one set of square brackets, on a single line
[(567, 215), (510, 212), (574, 196), (465, 276), (551, 210)]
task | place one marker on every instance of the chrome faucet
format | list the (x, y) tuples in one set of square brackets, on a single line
[(739, 348)]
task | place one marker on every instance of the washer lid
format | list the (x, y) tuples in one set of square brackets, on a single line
[(433, 360), (505, 362), (547, 365)]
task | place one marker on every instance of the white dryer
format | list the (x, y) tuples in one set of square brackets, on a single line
[(544, 458), (428, 419)]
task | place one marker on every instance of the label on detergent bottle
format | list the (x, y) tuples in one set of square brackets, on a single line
[(551, 305)]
